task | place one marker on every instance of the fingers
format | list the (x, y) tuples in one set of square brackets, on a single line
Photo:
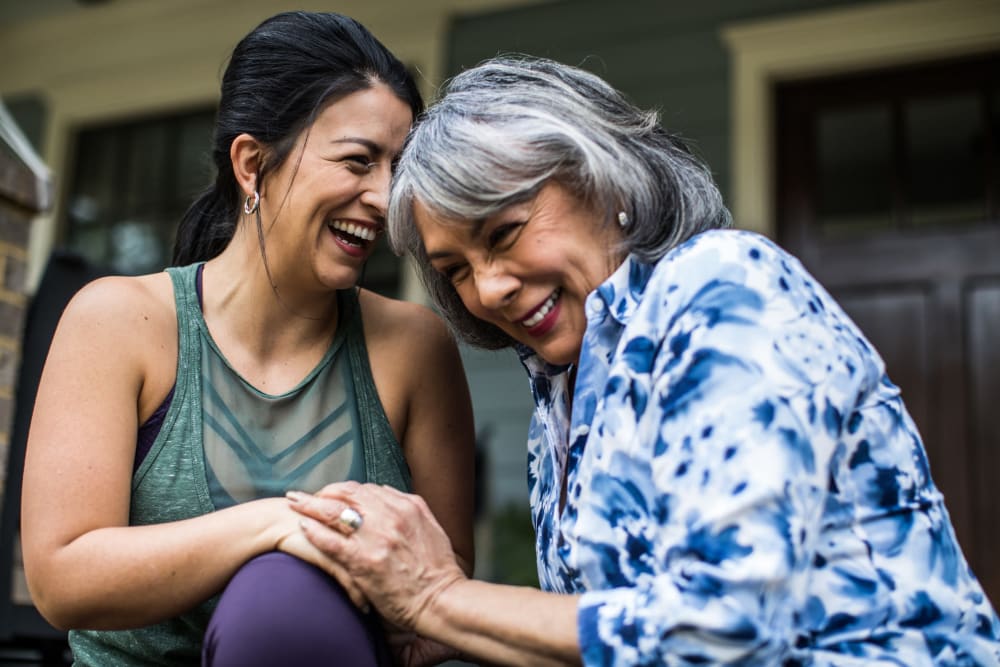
[(300, 546), (329, 541), (339, 489), (332, 513), (344, 579), (327, 511), (350, 492), (343, 506)]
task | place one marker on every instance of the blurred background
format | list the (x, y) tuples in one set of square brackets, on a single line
[(862, 135)]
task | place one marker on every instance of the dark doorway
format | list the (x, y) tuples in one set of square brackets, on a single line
[(889, 192)]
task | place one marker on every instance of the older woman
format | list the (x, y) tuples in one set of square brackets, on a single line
[(719, 469)]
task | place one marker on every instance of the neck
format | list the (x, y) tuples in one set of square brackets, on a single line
[(270, 312)]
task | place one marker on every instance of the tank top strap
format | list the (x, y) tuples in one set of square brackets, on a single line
[(183, 415), (384, 460), (188, 313)]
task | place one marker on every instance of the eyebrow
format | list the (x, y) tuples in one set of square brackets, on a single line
[(476, 230), (367, 143)]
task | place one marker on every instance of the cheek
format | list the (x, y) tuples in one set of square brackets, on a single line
[(470, 299)]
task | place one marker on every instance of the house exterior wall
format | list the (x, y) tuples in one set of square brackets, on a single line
[(24, 192), (16, 212), (770, 50)]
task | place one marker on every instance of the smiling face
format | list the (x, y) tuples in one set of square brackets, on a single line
[(324, 207), (528, 269)]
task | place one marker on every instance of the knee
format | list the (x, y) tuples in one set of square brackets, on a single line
[(279, 610)]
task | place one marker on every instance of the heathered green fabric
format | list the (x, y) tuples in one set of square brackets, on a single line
[(171, 485)]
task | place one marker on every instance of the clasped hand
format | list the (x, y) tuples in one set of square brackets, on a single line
[(399, 559)]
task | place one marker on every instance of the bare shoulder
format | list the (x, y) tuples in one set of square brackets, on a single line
[(131, 304), (403, 325), (126, 321), (412, 353)]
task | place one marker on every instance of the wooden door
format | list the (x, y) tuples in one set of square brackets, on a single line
[(889, 192)]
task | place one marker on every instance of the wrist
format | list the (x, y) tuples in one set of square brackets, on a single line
[(443, 610), (272, 523)]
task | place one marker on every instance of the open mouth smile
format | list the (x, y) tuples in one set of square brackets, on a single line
[(536, 318), (353, 233), (355, 239)]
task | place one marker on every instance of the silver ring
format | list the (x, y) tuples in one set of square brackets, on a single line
[(350, 518)]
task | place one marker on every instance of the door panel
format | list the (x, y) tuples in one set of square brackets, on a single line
[(895, 322), (983, 377), (888, 191)]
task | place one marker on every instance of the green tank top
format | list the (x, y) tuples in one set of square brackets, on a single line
[(223, 442)]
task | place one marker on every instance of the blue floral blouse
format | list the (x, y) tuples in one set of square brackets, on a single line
[(744, 484)]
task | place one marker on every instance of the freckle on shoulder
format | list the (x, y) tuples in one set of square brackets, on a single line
[(123, 298)]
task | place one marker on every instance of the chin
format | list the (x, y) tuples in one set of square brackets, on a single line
[(558, 356), (340, 279)]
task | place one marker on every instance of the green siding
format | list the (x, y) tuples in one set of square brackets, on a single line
[(666, 55)]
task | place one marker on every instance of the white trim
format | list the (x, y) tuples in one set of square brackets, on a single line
[(11, 135), (840, 40)]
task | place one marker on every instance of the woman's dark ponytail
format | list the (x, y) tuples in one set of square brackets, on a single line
[(207, 226)]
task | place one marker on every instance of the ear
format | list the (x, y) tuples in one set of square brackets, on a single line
[(246, 153)]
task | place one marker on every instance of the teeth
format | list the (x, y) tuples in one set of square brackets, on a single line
[(543, 311), (361, 231)]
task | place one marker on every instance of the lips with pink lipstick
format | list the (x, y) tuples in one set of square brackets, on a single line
[(540, 321), (354, 238)]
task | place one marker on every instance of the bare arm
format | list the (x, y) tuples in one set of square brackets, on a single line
[(440, 441), (506, 625), (417, 365), (86, 568)]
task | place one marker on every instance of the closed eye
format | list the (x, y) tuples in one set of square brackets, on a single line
[(360, 164), (454, 273), (503, 236)]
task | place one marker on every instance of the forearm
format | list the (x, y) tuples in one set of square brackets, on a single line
[(129, 576), (504, 625)]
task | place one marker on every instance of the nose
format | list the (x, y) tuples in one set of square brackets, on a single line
[(496, 287), (376, 192)]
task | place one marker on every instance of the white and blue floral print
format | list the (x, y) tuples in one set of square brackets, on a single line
[(744, 484)]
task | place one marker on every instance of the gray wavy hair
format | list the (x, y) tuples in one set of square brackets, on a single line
[(504, 128)]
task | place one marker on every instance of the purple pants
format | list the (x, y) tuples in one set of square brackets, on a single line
[(279, 610)]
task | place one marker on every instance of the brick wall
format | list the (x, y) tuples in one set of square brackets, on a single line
[(17, 209), (19, 204)]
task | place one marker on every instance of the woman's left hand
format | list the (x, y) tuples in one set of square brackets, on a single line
[(399, 555)]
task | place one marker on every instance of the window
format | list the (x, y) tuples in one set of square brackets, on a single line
[(895, 152), (131, 184)]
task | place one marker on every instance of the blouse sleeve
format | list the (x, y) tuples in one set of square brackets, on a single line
[(723, 413)]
